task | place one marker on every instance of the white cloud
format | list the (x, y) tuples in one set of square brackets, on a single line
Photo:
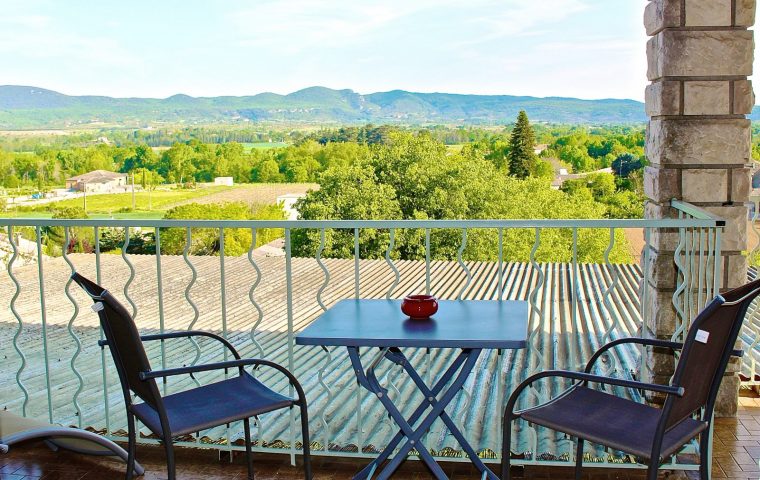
[(540, 47), (44, 38), (517, 18)]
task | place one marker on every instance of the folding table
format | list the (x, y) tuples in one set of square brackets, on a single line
[(468, 325)]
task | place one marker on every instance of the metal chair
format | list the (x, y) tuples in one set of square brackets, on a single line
[(651, 434), (237, 398)]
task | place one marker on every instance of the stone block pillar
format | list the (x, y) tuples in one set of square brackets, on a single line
[(698, 144)]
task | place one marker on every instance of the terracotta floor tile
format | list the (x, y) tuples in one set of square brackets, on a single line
[(736, 449)]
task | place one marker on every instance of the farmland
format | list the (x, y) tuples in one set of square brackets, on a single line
[(154, 204)]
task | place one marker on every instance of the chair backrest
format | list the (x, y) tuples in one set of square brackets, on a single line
[(707, 349), (123, 341)]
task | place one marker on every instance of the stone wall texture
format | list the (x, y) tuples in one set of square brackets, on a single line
[(699, 56)]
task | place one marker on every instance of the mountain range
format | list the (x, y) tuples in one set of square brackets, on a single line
[(24, 107)]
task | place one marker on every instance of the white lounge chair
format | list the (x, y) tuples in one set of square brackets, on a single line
[(16, 429)]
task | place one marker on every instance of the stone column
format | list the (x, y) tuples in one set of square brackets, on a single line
[(698, 144)]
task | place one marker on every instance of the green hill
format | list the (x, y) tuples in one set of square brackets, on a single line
[(32, 107)]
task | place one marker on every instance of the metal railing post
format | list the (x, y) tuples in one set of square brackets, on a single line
[(43, 318), (291, 339)]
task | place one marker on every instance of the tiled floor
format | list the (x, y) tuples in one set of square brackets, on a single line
[(736, 454)]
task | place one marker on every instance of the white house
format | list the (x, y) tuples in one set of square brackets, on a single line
[(288, 202), (97, 181), (226, 181)]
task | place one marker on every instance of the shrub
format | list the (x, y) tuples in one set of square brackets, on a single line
[(205, 241)]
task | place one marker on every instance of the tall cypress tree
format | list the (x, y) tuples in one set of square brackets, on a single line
[(522, 155)]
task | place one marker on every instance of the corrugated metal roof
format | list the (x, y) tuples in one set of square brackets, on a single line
[(559, 341)]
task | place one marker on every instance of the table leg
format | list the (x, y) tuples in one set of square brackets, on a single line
[(466, 360), (353, 353), (447, 420)]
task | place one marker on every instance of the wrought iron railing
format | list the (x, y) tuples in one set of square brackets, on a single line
[(750, 334), (52, 367)]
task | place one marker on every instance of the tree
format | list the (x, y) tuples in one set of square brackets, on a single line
[(176, 163), (415, 177), (205, 241), (522, 154), (543, 169), (626, 163), (269, 172), (346, 193), (80, 240), (12, 181), (149, 181), (578, 157), (143, 157)]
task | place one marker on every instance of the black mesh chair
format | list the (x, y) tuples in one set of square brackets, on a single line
[(233, 399), (651, 434)]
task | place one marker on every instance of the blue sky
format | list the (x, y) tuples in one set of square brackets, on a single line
[(577, 48)]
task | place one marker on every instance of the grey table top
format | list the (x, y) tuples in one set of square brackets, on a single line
[(458, 324)]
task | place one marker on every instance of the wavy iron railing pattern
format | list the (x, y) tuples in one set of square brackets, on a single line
[(132, 270), (70, 328), (697, 262), (750, 335), (189, 299), (252, 299), (17, 316)]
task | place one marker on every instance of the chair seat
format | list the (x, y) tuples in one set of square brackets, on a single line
[(611, 421), (212, 405)]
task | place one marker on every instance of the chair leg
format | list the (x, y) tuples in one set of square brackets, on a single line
[(170, 468), (579, 459), (506, 447), (305, 441), (652, 471), (132, 439), (704, 454), (248, 453)]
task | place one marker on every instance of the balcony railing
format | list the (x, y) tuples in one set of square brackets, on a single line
[(53, 368)]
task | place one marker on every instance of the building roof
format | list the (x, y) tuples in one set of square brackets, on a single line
[(97, 176), (560, 340)]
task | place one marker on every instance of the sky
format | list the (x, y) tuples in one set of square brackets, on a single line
[(571, 48)]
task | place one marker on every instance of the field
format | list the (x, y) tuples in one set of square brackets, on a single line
[(254, 193), (118, 205), (157, 200)]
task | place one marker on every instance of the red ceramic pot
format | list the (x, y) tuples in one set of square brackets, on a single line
[(419, 307)]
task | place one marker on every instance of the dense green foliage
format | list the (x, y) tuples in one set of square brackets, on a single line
[(415, 177), (590, 149), (50, 161), (205, 241), (383, 172), (601, 187), (75, 240)]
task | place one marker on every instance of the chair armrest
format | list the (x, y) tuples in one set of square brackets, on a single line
[(187, 334), (637, 340), (587, 377), (646, 342), (239, 363)]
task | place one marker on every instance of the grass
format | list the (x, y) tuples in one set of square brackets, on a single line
[(160, 200), (113, 206), (137, 215)]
